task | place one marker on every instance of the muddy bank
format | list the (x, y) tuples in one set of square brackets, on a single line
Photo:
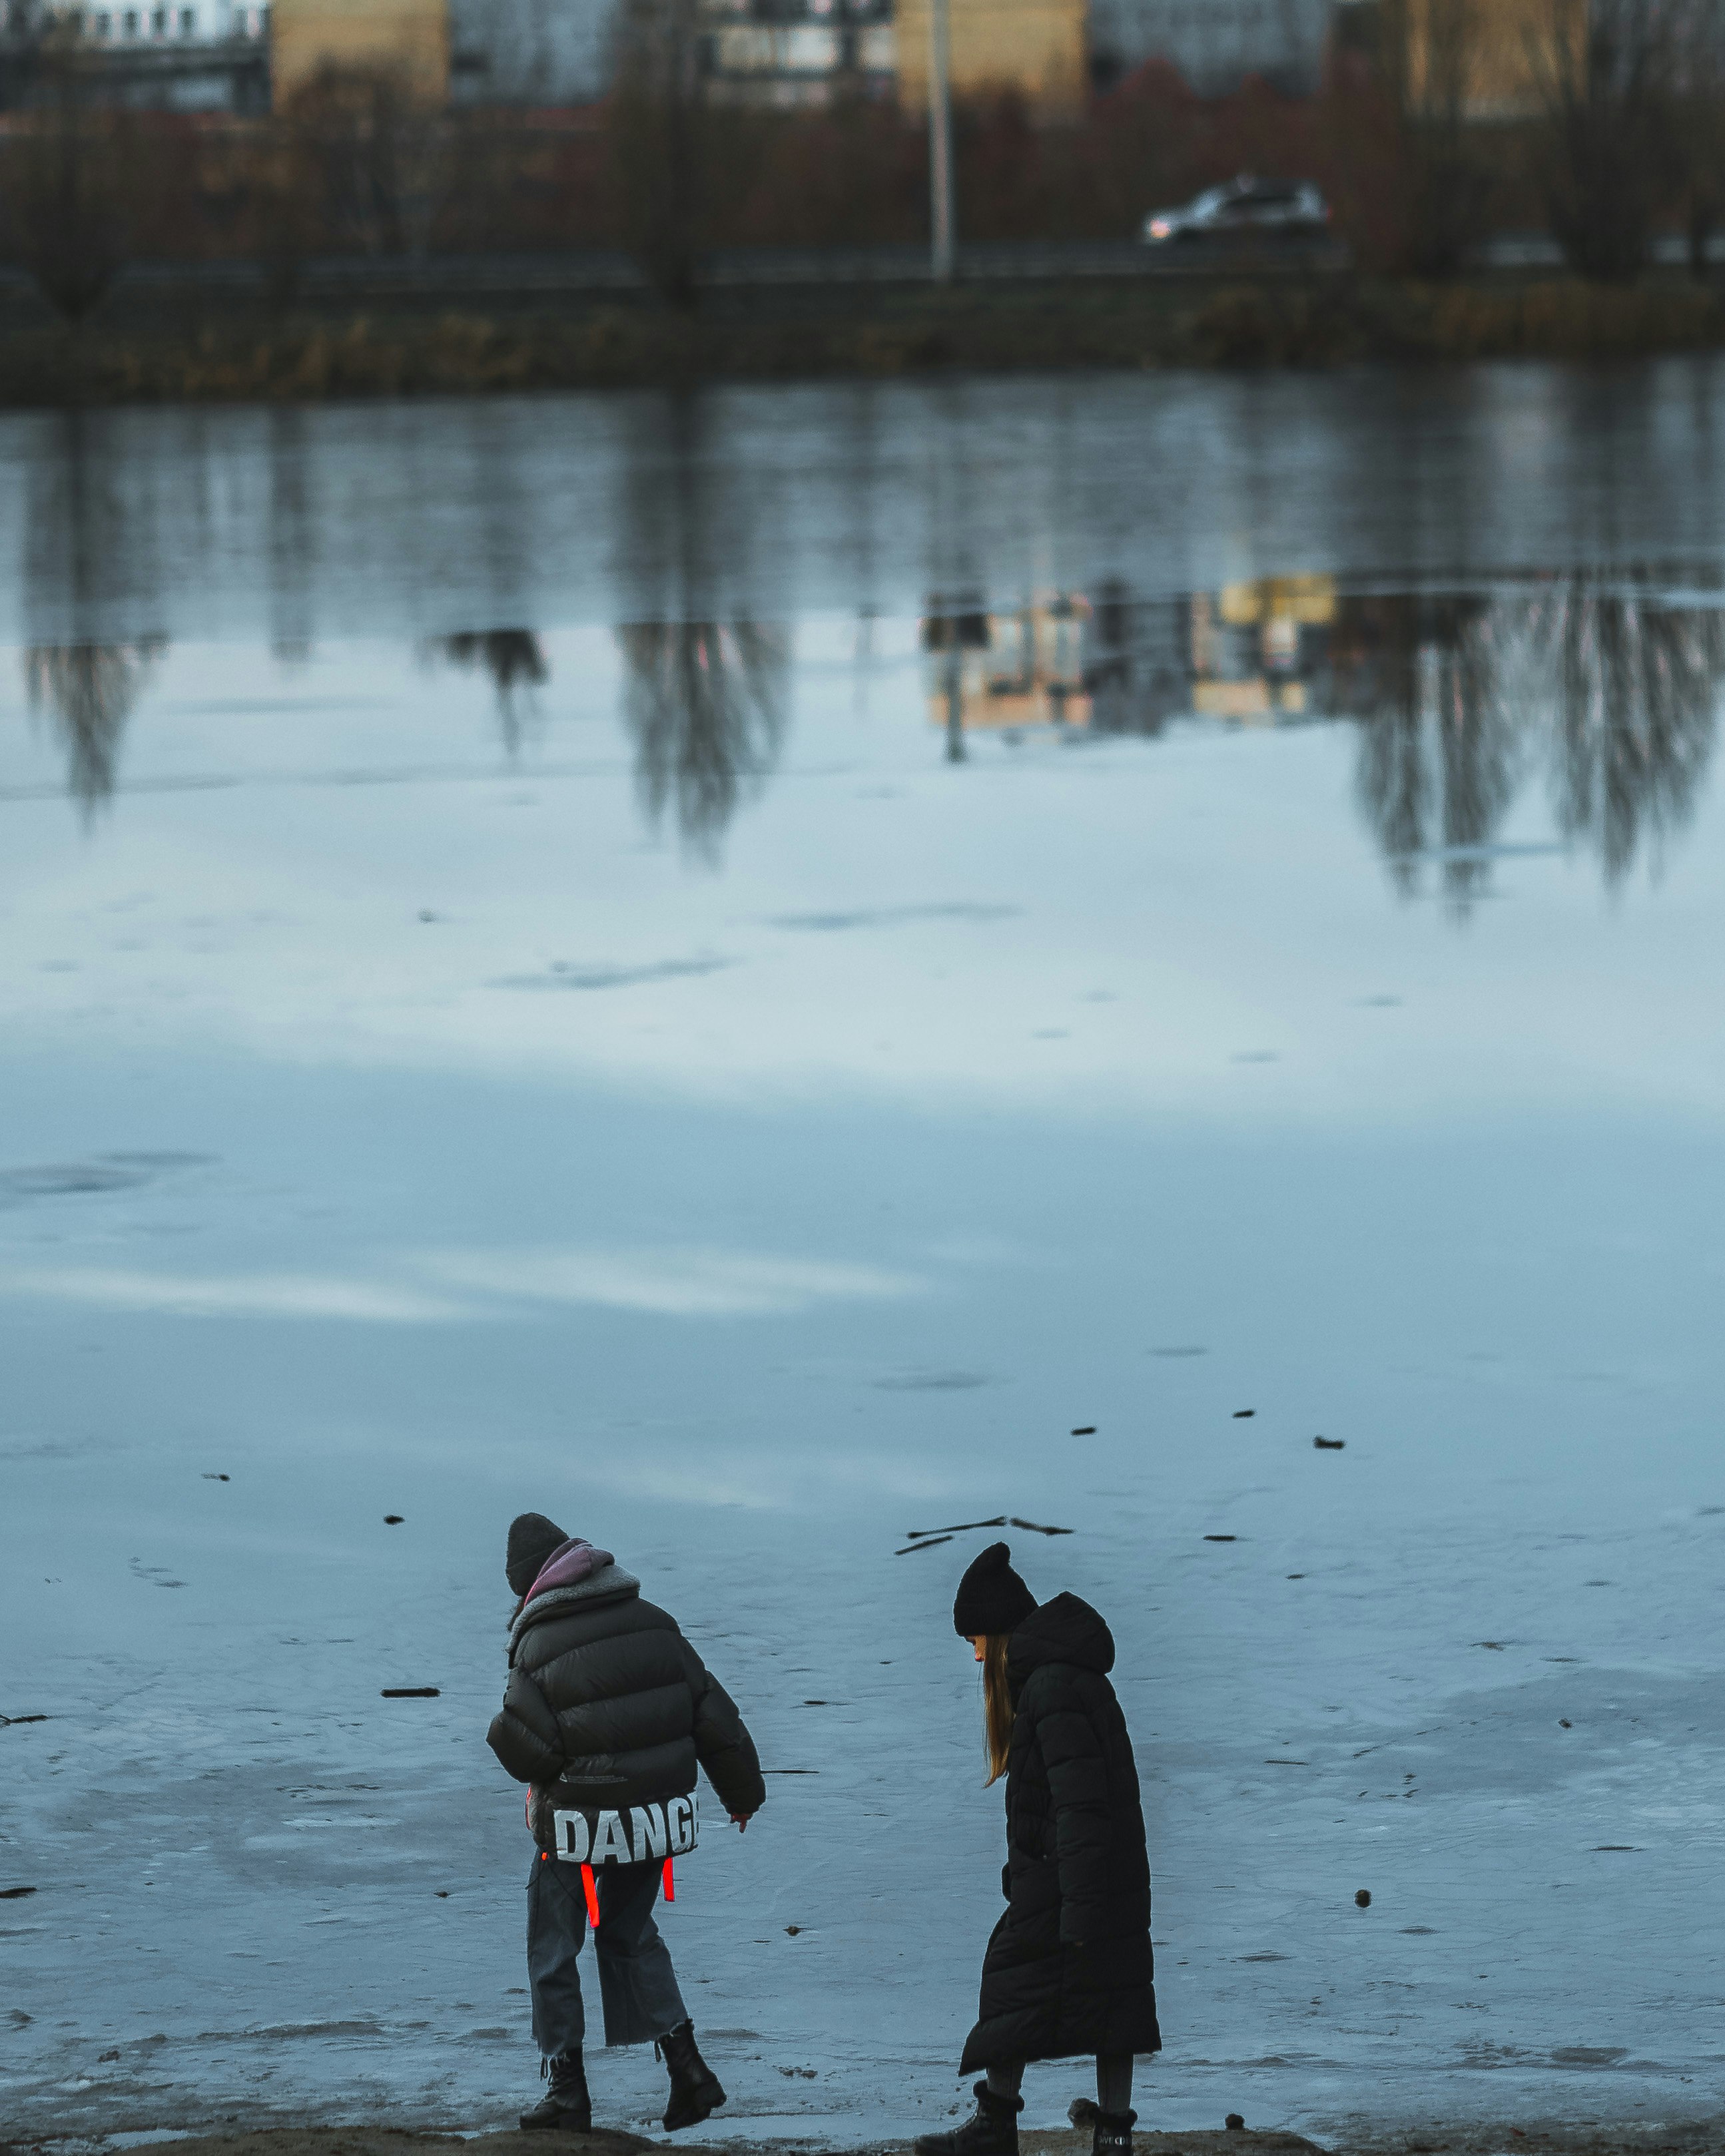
[(248, 357), (1695, 2138), (381, 2141)]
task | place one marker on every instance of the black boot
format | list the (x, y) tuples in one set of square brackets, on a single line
[(993, 2132), (565, 2106), (695, 2090), (1112, 2134)]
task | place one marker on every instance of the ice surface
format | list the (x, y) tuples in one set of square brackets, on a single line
[(915, 1158)]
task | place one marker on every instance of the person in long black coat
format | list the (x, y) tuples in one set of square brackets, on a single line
[(1069, 1968)]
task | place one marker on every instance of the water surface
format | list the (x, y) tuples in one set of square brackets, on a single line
[(741, 971)]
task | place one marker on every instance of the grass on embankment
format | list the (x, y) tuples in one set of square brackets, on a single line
[(1284, 321)]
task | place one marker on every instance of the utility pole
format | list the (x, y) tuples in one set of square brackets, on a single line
[(940, 141)]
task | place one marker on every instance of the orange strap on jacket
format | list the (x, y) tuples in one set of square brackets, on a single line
[(591, 1890), (669, 1882)]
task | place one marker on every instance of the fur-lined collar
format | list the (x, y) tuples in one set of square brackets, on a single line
[(609, 1583)]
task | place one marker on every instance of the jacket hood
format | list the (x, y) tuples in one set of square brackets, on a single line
[(609, 1583), (1066, 1630), (569, 1564)]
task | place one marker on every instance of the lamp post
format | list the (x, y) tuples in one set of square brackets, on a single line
[(940, 141)]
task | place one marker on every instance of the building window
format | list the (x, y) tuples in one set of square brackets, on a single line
[(129, 21), (158, 22), (189, 21)]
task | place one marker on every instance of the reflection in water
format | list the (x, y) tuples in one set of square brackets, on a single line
[(1006, 671), (1637, 690), (706, 692), (81, 527), (1440, 748), (1607, 686), (1609, 689), (89, 690), (1602, 689), (706, 702), (516, 663)]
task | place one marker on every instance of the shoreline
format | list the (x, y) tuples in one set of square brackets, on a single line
[(239, 354), (1538, 2136)]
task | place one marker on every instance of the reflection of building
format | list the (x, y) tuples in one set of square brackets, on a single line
[(1006, 671), (1257, 653), (1255, 646)]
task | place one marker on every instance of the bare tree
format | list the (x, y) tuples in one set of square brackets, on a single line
[(1414, 176), (659, 128), (66, 178), (1696, 136), (374, 160), (1445, 180), (1609, 73)]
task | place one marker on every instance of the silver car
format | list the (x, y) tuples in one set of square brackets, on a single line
[(1243, 209)]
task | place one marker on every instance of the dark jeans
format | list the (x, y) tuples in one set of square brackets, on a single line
[(1114, 2082), (637, 1985)]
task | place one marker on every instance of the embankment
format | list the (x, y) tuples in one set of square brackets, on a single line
[(246, 354)]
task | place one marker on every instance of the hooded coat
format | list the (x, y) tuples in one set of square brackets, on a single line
[(1068, 1968), (607, 1706)]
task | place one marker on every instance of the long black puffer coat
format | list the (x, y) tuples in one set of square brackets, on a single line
[(1068, 1968), (607, 1705)]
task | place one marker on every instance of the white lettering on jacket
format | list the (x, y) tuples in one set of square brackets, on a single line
[(651, 1832), (646, 1826), (611, 1841)]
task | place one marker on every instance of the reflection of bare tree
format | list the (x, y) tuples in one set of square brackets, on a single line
[(706, 682), (1438, 758), (706, 703), (1615, 689), (89, 689), (516, 662), (1636, 693), (87, 580)]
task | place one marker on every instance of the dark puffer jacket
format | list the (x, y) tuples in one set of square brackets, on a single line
[(607, 1705), (1068, 1968)]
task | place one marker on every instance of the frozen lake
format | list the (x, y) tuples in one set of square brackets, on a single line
[(740, 973)]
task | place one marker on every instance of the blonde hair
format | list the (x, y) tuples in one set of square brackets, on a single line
[(997, 1706)]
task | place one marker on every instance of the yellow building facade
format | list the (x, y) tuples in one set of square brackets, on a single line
[(1034, 47), (406, 39), (1489, 60)]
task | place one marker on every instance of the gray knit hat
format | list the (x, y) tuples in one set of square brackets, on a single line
[(532, 1539)]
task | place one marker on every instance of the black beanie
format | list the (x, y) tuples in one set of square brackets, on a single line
[(532, 1539), (992, 1598)]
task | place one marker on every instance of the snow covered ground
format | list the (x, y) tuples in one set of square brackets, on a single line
[(394, 1127)]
